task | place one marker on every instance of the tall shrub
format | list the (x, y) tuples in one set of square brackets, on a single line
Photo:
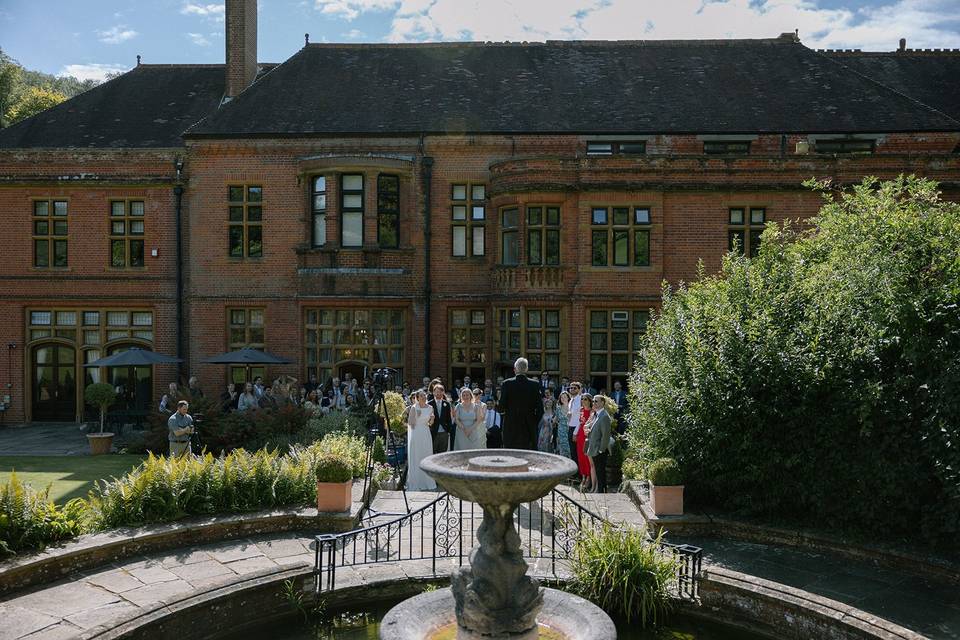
[(819, 380)]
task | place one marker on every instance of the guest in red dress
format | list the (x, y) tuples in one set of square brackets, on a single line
[(583, 462)]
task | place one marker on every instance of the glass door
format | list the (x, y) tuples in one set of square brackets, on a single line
[(54, 383)]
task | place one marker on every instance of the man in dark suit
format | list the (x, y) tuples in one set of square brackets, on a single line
[(521, 407), (442, 427), (620, 397)]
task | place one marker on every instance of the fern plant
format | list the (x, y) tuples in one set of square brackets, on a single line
[(29, 520)]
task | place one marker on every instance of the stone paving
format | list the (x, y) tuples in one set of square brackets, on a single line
[(120, 591), (43, 439), (925, 606)]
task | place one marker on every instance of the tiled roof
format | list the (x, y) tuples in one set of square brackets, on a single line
[(637, 87), (930, 77), (705, 86), (149, 106)]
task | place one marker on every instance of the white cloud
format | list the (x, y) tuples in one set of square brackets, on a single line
[(350, 9), (198, 39), (354, 34), (923, 22), (91, 71), (209, 11), (116, 35)]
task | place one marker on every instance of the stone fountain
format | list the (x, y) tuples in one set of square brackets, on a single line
[(493, 598)]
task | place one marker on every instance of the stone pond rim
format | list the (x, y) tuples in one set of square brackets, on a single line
[(511, 485)]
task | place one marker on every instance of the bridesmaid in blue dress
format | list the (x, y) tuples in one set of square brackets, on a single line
[(471, 426)]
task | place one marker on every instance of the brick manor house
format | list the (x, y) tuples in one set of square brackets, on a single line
[(435, 208)]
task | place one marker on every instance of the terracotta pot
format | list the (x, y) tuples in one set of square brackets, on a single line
[(100, 443), (334, 496), (667, 501)]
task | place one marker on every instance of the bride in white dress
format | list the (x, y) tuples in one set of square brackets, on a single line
[(420, 416)]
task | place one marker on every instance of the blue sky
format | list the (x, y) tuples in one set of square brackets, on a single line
[(92, 37)]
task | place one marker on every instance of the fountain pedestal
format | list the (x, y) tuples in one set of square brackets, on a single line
[(493, 598)]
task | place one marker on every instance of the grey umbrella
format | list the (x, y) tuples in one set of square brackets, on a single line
[(248, 357), (133, 357)]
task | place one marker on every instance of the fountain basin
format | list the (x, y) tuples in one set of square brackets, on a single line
[(568, 616), (487, 485)]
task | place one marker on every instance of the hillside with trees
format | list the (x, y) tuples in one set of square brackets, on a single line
[(24, 92)]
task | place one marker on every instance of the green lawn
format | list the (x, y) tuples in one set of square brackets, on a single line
[(68, 476)]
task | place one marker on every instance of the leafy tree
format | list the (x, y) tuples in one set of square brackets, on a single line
[(24, 92), (818, 381), (33, 101), (10, 78)]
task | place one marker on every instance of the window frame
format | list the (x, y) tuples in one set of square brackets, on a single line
[(317, 213), (505, 354), (608, 350), (51, 239), (313, 321), (362, 192), (616, 148), (514, 232), (245, 224), (383, 213), (128, 238), (747, 229), (845, 146), (469, 348), (605, 234), (544, 228), (725, 147), (474, 228)]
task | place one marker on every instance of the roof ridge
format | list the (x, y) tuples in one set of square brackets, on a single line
[(884, 86), (780, 40), (257, 78), (190, 65), (897, 53)]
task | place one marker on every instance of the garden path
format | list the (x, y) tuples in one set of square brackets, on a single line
[(89, 603), (43, 439)]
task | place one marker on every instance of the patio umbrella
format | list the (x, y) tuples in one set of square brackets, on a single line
[(248, 357), (133, 357)]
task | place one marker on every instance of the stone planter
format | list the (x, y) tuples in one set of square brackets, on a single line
[(666, 500), (333, 496), (100, 443)]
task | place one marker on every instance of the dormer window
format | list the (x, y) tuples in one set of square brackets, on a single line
[(845, 145), (626, 148), (728, 147)]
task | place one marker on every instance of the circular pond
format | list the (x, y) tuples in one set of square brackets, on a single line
[(363, 623)]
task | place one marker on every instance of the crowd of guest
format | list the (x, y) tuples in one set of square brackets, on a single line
[(439, 419), (467, 417)]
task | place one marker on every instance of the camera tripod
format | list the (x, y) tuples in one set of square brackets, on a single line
[(390, 445)]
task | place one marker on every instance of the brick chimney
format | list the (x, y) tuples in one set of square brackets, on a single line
[(903, 44), (241, 45)]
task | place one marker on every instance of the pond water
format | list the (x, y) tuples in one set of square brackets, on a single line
[(364, 624)]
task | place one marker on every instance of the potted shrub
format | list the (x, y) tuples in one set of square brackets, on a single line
[(334, 483), (666, 492), (100, 395), (615, 462)]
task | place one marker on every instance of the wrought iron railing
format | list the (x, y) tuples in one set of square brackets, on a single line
[(445, 528)]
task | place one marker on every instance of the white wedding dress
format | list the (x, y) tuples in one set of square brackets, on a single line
[(419, 446)]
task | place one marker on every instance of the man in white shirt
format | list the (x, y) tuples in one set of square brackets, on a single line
[(574, 422), (493, 424)]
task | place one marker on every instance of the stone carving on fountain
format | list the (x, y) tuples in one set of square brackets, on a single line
[(494, 598), (495, 592)]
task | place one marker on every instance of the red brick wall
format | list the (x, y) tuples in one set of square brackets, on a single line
[(88, 181), (688, 195)]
